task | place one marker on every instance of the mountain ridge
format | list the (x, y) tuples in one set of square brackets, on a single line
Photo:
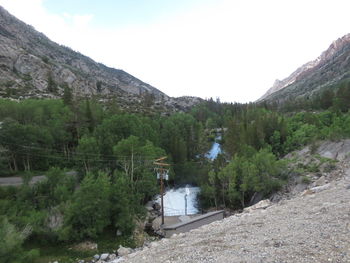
[(33, 66), (310, 74)]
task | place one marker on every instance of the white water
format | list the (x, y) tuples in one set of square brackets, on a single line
[(215, 150), (174, 201)]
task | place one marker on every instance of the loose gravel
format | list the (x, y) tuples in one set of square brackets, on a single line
[(309, 228)]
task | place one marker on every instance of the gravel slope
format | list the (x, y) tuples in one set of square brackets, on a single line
[(310, 228)]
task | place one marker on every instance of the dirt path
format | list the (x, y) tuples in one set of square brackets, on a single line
[(17, 180)]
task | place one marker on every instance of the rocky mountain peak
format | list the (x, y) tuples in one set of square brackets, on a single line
[(335, 53), (31, 65)]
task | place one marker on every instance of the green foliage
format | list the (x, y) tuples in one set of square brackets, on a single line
[(133, 156), (11, 240), (89, 137), (245, 175), (67, 95), (89, 211), (88, 151), (51, 84), (122, 204), (305, 180)]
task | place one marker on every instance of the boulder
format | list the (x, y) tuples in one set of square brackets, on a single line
[(321, 181), (156, 206), (123, 251), (263, 204), (320, 188), (307, 192), (117, 260), (104, 256)]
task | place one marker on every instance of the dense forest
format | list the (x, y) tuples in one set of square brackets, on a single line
[(98, 160)]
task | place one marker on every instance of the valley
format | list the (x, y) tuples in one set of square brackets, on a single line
[(79, 144)]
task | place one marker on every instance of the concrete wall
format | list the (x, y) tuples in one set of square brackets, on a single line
[(193, 223)]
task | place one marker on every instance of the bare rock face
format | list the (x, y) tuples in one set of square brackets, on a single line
[(332, 66), (31, 65)]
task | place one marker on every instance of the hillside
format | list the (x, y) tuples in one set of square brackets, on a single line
[(313, 226), (33, 66), (331, 67)]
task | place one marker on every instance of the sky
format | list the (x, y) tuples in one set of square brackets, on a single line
[(233, 50)]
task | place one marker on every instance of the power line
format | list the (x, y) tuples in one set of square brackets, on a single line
[(138, 158), (75, 153)]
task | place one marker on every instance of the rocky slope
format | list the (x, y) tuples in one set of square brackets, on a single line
[(332, 66), (31, 65), (312, 226)]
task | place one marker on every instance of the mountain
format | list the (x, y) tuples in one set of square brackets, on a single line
[(31, 65), (331, 67)]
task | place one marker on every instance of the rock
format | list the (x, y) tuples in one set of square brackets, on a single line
[(112, 257), (149, 206), (117, 260), (321, 181), (157, 223), (119, 233), (261, 205), (307, 192), (320, 188), (154, 244), (97, 257), (104, 256), (156, 206), (348, 187), (123, 251), (335, 150)]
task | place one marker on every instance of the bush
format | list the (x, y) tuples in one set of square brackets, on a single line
[(305, 180), (11, 241)]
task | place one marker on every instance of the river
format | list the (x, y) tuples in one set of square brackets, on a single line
[(174, 198)]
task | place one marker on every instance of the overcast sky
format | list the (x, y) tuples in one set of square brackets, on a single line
[(231, 49)]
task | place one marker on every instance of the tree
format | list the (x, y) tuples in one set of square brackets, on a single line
[(135, 158), (89, 212), (122, 204), (247, 174), (67, 95), (11, 241), (89, 116), (88, 152), (51, 84)]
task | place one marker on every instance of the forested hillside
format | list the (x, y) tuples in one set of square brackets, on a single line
[(113, 153)]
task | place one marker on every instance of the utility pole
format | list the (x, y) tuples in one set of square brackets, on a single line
[(162, 172), (187, 194)]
